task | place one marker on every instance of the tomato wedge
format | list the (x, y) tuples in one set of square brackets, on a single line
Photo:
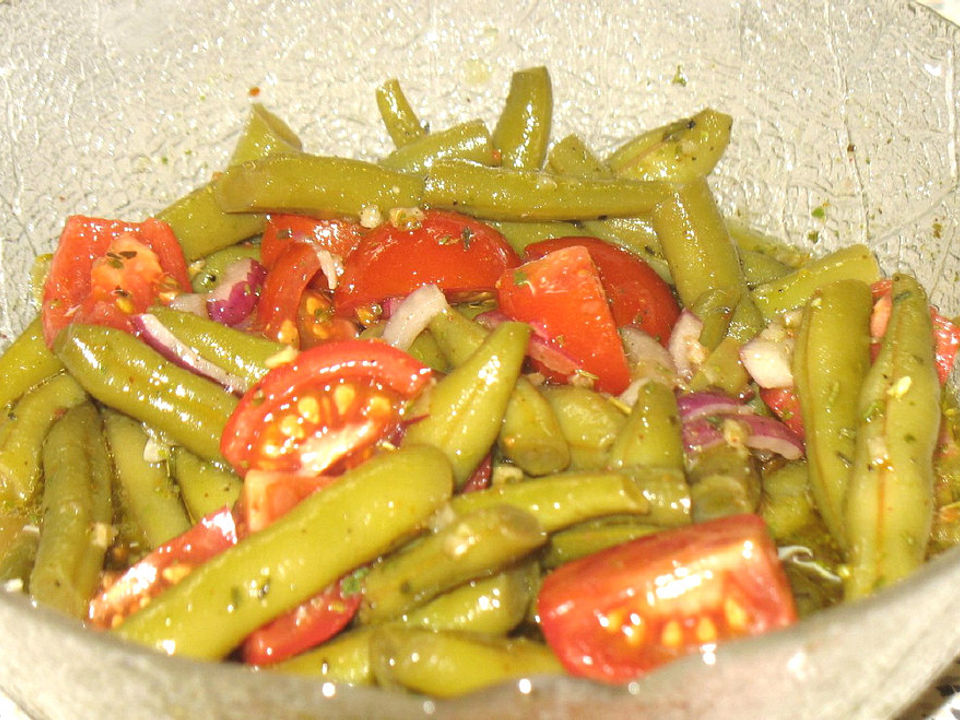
[(456, 253), (338, 236), (562, 294), (637, 295), (105, 271), (325, 410), (619, 613), (287, 279), (163, 567), (785, 404)]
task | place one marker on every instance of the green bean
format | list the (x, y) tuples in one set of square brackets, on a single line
[(530, 435), (651, 434), (77, 511), (27, 362), (17, 559), (467, 141), (344, 659), (591, 537), (426, 349), (760, 268), (24, 430), (722, 370), (723, 481), (831, 358), (147, 493), (38, 276), (314, 185), (493, 605), (204, 486), (507, 194), (715, 309), (748, 239), (216, 263), (682, 151), (589, 421), (889, 504), (241, 354), (363, 514), (457, 336), (447, 664), (120, 371), (521, 234), (944, 533), (523, 130), (855, 262), (466, 408), (264, 134), (474, 545), (787, 504), (398, 116), (660, 496)]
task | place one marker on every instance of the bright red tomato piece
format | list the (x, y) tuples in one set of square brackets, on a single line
[(562, 293), (325, 410), (637, 295), (785, 404), (283, 289), (105, 271), (619, 613), (270, 494), (317, 323), (456, 253), (165, 566), (311, 623), (338, 236)]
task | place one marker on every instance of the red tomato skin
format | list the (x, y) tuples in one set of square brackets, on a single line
[(68, 294), (785, 404), (452, 251), (338, 236), (617, 614), (311, 623), (286, 280), (637, 295), (163, 567), (562, 293), (361, 361)]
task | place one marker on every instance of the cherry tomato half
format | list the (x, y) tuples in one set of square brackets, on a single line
[(338, 236), (105, 271), (637, 295), (456, 253), (619, 613), (323, 411), (561, 292)]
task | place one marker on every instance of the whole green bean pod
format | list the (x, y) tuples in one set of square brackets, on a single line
[(77, 511), (363, 514), (831, 357), (724, 480), (447, 664), (889, 505), (315, 185), (468, 141), (651, 435), (26, 363), (146, 491), (531, 436), (507, 194), (523, 130), (343, 659), (398, 116), (24, 430), (681, 151), (466, 408), (241, 354), (205, 486), (855, 262), (473, 545), (123, 373), (591, 537)]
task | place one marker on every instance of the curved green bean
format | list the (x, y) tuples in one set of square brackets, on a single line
[(398, 116), (591, 537), (26, 363), (468, 141), (264, 134), (271, 571), (344, 659), (523, 130)]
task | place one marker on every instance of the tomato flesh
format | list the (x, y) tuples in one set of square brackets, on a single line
[(562, 294), (337, 236), (324, 411), (105, 271), (619, 613), (637, 295), (785, 404), (456, 253), (163, 567)]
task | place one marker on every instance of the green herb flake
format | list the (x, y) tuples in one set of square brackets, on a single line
[(352, 584), (520, 279), (679, 77), (466, 235), (819, 212)]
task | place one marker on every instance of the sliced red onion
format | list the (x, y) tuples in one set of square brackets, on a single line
[(235, 296), (539, 348), (155, 334), (412, 315), (194, 303), (767, 433), (684, 346), (704, 404), (702, 433), (768, 360)]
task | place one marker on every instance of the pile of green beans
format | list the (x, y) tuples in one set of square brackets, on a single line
[(108, 450)]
